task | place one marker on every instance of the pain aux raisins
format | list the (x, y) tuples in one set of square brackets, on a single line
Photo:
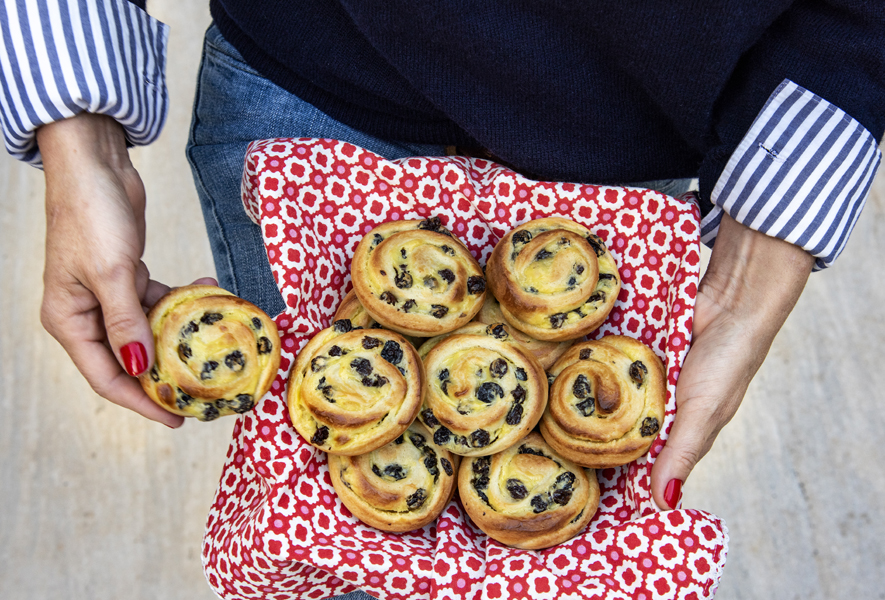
[(480, 438), (447, 466), (210, 318), (438, 310), (557, 320), (429, 419), (264, 345), (320, 436), (650, 426), (476, 284), (342, 326), (488, 391), (417, 499), (392, 352), (498, 368), (370, 342), (517, 489), (638, 371), (235, 361), (208, 367), (402, 279)]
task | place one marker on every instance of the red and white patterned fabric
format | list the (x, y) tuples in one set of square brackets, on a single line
[(276, 528)]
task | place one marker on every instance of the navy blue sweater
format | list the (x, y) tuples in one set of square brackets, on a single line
[(601, 92)]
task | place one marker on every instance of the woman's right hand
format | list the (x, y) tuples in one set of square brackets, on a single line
[(96, 287)]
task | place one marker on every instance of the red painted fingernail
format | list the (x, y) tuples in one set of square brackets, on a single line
[(673, 492), (134, 357)]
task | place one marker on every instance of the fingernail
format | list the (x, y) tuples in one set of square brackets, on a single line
[(135, 359), (673, 492)]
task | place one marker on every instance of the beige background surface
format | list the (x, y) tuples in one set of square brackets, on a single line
[(99, 503)]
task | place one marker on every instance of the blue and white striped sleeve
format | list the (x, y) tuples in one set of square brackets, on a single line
[(62, 57), (802, 174)]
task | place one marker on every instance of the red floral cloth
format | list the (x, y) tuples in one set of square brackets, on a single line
[(276, 528)]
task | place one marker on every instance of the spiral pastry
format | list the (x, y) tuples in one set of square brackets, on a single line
[(351, 309), (528, 496), (484, 391), (555, 279), (353, 390), (546, 352), (417, 278), (398, 487), (606, 402), (215, 354)]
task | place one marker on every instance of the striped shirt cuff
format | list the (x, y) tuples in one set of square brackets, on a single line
[(62, 57), (802, 174)]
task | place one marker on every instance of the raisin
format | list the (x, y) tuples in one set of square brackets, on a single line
[(565, 481), (377, 471), (429, 418), (389, 298), (403, 280), (361, 366), (190, 328), (318, 364), (370, 342), (561, 497), (481, 465), (439, 311), (529, 450), (515, 415), (264, 345), (596, 243), (184, 352), (377, 239), (564, 242), (581, 388), (532, 290), (392, 352), (417, 440), (327, 391), (481, 482), (402, 252), (208, 367), (476, 284), (342, 325), (447, 466), (447, 275), (447, 250), (430, 282), (235, 361), (417, 499), (585, 353), (557, 320), (539, 504), (603, 276), (431, 224), (182, 399), (399, 440), (244, 403), (488, 391), (596, 297), (521, 374), (518, 394), (579, 268), (650, 426), (497, 331), (154, 375), (578, 312), (517, 489), (210, 412), (483, 497), (498, 368), (462, 440), (543, 254), (409, 305), (441, 436), (210, 318), (256, 323), (521, 237), (320, 436), (571, 282), (376, 381), (395, 472), (638, 371), (443, 375), (336, 351), (430, 462), (587, 407), (480, 438)]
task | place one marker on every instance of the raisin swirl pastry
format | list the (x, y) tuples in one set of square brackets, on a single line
[(528, 496), (484, 390), (555, 279), (606, 402), (416, 278), (215, 354), (352, 390), (399, 487), (546, 352)]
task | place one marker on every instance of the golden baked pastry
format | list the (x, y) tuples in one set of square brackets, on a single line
[(484, 390), (528, 496), (399, 487), (354, 390), (215, 354), (555, 279), (416, 278), (546, 352), (351, 309), (606, 402)]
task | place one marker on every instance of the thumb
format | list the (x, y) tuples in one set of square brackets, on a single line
[(127, 326), (691, 436)]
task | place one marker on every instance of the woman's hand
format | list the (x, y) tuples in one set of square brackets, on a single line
[(751, 285), (96, 288)]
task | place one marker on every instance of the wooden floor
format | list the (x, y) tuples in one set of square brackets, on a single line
[(102, 504)]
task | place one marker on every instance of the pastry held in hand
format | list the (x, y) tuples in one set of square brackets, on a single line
[(216, 354), (554, 278), (528, 496), (416, 278), (354, 390), (546, 352), (399, 487), (484, 390), (606, 402)]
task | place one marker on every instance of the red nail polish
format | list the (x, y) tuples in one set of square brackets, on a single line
[(673, 492), (134, 357)]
